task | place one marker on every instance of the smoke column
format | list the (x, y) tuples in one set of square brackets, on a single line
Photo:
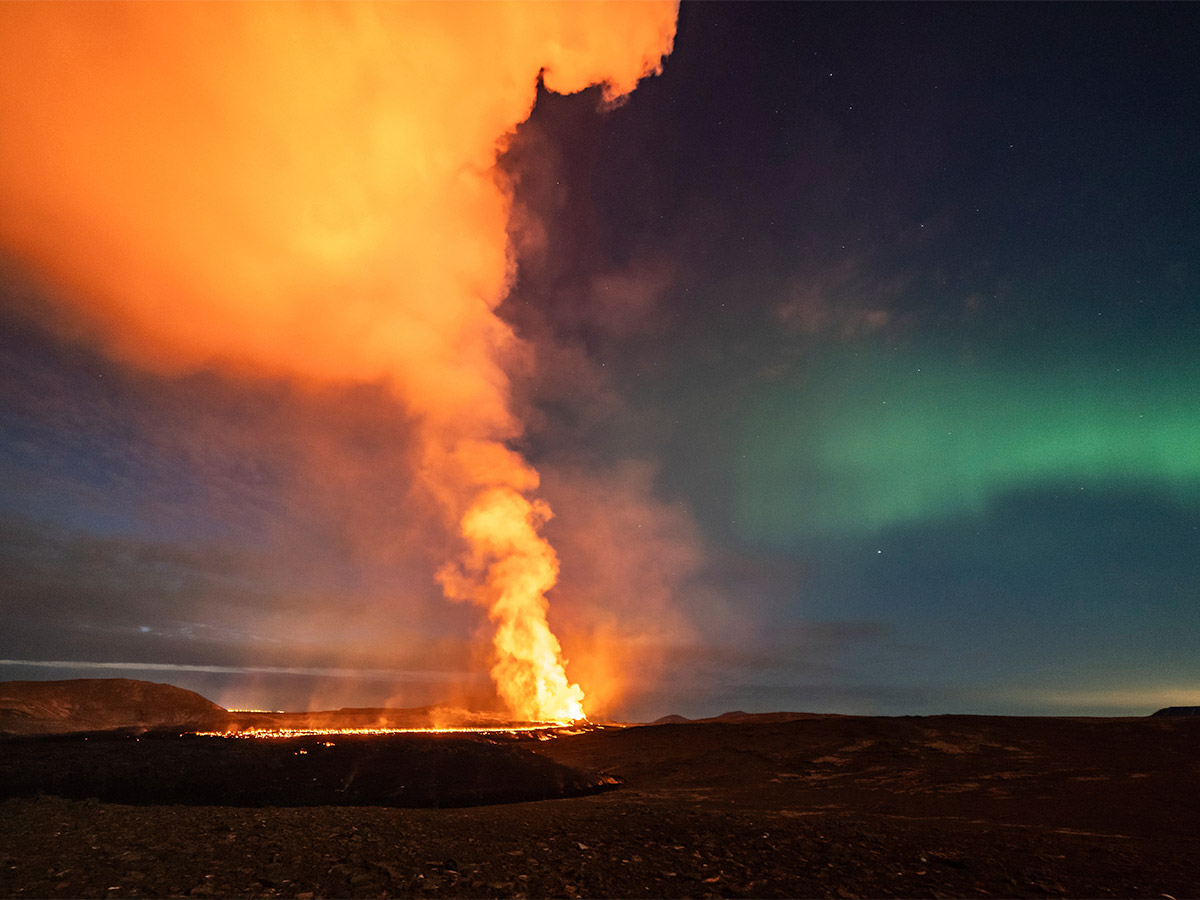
[(309, 189)]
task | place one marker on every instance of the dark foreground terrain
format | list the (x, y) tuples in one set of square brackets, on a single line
[(815, 807)]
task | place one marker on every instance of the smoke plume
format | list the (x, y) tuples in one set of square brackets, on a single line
[(310, 190)]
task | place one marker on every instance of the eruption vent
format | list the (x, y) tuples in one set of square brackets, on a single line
[(309, 189)]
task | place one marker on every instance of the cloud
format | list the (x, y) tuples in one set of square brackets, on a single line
[(320, 202), (843, 298), (631, 577), (392, 676), (196, 603), (260, 522)]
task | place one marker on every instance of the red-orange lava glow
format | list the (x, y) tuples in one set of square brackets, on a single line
[(539, 730)]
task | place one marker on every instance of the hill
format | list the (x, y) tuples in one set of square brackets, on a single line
[(1178, 711), (737, 717), (116, 704), (101, 704)]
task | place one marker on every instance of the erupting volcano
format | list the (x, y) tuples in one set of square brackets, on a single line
[(512, 567), (309, 190)]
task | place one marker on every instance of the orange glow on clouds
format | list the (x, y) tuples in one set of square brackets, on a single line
[(309, 189)]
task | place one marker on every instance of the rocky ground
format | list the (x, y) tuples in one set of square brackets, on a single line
[(827, 807)]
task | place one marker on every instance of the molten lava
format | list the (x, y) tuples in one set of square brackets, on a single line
[(321, 732), (542, 731), (510, 569)]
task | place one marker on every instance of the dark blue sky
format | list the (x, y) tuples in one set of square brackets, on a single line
[(866, 381)]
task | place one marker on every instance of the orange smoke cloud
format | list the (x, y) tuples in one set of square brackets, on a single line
[(310, 189)]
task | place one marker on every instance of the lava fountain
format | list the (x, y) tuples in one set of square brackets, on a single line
[(309, 190)]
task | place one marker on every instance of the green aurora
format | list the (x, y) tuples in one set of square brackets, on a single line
[(868, 439)]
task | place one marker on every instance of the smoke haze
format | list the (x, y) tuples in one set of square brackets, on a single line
[(305, 196)]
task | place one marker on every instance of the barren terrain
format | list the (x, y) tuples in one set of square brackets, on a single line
[(811, 807)]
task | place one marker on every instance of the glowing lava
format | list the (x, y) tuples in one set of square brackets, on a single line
[(509, 569), (542, 731)]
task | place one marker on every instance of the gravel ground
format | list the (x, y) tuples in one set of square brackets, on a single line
[(834, 808)]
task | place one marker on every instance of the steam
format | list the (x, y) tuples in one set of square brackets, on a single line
[(310, 190)]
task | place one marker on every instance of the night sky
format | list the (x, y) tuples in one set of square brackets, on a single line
[(864, 380)]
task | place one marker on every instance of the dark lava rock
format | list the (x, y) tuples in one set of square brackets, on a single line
[(954, 806), (354, 770)]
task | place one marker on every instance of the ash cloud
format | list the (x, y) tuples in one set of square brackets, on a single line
[(297, 323)]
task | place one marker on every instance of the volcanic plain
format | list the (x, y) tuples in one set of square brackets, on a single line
[(778, 805)]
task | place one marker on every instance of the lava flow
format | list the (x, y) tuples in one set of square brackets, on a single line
[(509, 569), (540, 730), (364, 722)]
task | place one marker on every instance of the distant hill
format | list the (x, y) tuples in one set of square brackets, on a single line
[(101, 704), (737, 717), (110, 704), (672, 720), (1178, 711)]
